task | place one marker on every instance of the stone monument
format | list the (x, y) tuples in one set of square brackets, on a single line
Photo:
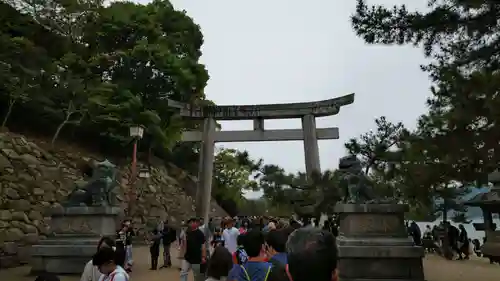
[(373, 242), (89, 213)]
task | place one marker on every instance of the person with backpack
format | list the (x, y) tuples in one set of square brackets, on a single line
[(276, 246), (256, 268)]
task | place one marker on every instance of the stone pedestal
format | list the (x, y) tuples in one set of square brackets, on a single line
[(374, 245), (75, 234)]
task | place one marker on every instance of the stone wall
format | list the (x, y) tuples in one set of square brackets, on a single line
[(32, 179)]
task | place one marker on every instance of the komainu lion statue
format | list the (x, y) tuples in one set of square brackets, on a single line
[(99, 190), (356, 187)]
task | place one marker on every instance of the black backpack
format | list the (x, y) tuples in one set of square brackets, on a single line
[(278, 270)]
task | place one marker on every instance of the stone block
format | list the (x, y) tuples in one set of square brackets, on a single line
[(76, 232), (374, 245), (63, 254), (24, 254), (8, 261), (84, 220), (9, 248)]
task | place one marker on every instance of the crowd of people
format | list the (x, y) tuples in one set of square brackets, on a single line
[(232, 249), (445, 239), (256, 249), (252, 249)]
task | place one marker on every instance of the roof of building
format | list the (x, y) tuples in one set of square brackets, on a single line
[(491, 197)]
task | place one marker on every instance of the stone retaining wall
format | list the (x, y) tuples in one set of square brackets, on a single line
[(32, 179)]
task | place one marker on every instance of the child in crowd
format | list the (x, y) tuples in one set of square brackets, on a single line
[(105, 260), (91, 272)]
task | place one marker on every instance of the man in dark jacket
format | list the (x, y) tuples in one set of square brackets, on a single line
[(416, 233), (154, 248), (168, 236)]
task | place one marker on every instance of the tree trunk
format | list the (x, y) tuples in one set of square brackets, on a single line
[(58, 131), (9, 111)]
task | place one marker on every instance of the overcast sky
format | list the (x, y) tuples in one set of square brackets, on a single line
[(279, 51)]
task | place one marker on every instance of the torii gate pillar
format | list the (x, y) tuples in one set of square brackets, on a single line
[(206, 166), (311, 149)]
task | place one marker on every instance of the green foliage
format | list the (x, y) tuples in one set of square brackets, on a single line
[(420, 212), (274, 182), (106, 68), (298, 192), (19, 60), (455, 143), (374, 148), (459, 33), (116, 66), (232, 174)]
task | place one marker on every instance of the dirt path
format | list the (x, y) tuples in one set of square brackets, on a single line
[(439, 269), (436, 269)]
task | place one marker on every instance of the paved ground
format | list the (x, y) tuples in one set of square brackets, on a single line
[(436, 269)]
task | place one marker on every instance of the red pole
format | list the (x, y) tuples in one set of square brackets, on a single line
[(133, 175)]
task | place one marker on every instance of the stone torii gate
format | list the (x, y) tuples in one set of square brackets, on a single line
[(307, 111)]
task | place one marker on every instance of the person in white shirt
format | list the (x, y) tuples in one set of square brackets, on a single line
[(91, 272), (180, 235), (105, 262), (230, 236), (202, 227)]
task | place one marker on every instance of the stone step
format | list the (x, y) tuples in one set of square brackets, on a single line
[(71, 250), (379, 252), (374, 241), (67, 241)]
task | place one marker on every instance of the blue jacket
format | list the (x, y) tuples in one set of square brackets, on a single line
[(282, 258)]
